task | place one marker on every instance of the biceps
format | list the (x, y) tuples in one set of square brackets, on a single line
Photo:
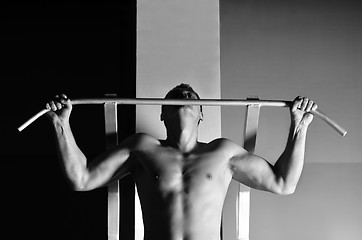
[(109, 168), (254, 172), (125, 169)]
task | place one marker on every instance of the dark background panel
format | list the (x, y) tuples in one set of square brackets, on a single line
[(83, 50)]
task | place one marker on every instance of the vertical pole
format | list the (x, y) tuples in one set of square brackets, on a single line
[(243, 198), (111, 132)]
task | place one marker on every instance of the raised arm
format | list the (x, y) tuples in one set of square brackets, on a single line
[(283, 176), (81, 175)]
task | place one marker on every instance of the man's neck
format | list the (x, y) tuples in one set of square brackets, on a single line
[(185, 141)]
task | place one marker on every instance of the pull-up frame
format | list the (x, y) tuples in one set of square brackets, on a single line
[(204, 102)]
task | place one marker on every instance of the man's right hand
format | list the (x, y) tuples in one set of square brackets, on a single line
[(60, 107)]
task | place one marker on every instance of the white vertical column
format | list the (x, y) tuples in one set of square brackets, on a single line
[(243, 198), (236, 215), (177, 42), (111, 132)]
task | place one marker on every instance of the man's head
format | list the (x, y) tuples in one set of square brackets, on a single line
[(182, 91)]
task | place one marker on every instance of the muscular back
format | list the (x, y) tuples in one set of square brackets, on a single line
[(181, 195)]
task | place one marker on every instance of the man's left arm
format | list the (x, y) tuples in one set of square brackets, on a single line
[(289, 166), (283, 176)]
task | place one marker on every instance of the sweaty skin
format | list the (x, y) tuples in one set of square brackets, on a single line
[(181, 182)]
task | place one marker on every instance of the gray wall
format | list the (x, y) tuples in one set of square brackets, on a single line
[(174, 49), (281, 49)]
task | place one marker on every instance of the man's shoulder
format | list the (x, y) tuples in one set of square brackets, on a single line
[(222, 142), (145, 138), (225, 144), (139, 141)]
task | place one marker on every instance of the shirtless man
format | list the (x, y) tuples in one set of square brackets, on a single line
[(182, 183)]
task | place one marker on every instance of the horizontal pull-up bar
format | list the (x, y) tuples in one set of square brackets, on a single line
[(204, 102)]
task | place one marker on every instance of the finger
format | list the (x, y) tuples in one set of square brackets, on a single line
[(297, 102), (52, 106), (309, 106), (304, 104), (58, 105), (47, 106), (63, 96), (314, 107), (64, 99), (309, 116)]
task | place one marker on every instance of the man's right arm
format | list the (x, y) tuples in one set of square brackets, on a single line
[(81, 175)]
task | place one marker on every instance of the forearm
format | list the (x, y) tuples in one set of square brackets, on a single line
[(72, 160), (289, 166)]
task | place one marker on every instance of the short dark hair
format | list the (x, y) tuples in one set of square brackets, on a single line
[(182, 86)]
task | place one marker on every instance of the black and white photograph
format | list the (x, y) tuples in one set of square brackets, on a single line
[(181, 120)]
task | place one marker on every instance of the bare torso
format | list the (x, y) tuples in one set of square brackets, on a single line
[(182, 195)]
